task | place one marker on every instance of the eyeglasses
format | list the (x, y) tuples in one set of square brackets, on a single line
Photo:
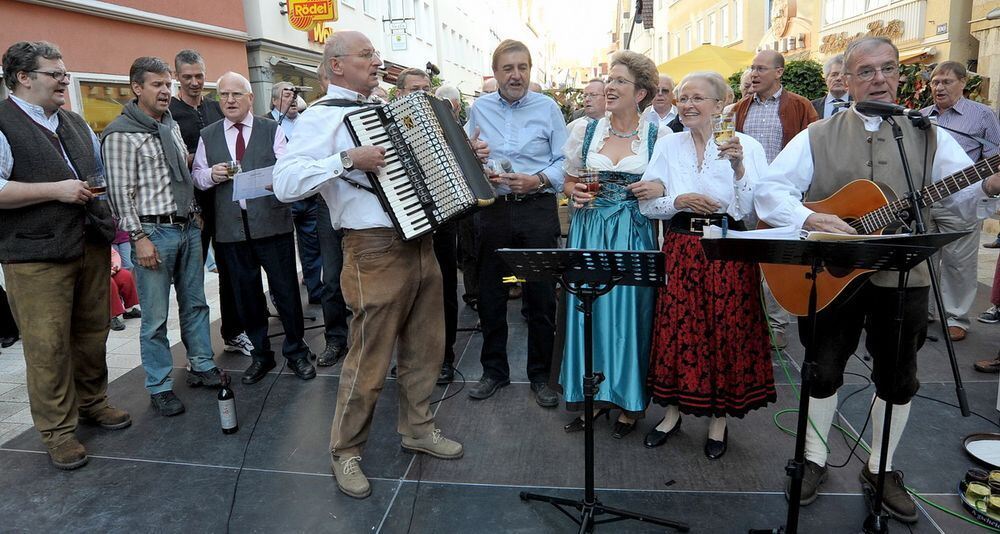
[(942, 83), (867, 74), (619, 81), (593, 95), (57, 75), (759, 68), (696, 100), (365, 54), (664, 91), (224, 97)]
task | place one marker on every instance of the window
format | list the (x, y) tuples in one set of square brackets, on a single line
[(689, 38), (418, 20), (348, 3), (711, 29), (102, 102), (659, 48), (738, 27), (724, 17), (835, 11), (369, 7), (677, 45), (700, 35), (767, 14)]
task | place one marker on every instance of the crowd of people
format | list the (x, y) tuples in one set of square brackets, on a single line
[(699, 346)]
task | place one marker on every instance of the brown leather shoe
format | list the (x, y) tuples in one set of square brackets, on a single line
[(988, 366), (956, 333), (68, 455), (108, 418), (896, 501)]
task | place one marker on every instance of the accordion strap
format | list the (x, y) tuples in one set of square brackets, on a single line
[(348, 103)]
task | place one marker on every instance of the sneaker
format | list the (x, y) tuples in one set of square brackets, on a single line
[(68, 455), (896, 501), (117, 324), (134, 313), (812, 478), (240, 343), (211, 378), (990, 316), (166, 403), (350, 479), (108, 418), (435, 445)]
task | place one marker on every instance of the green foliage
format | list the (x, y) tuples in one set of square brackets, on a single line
[(805, 78), (734, 83), (914, 86), (569, 100)]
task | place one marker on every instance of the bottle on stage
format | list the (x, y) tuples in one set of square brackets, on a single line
[(227, 407)]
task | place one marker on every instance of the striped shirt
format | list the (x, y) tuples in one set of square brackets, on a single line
[(972, 118), (139, 177), (764, 124)]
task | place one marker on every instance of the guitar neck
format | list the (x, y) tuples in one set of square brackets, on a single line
[(882, 217)]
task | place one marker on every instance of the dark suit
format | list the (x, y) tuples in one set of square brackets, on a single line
[(820, 104)]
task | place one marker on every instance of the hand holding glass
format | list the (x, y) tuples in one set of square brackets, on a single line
[(98, 187), (233, 168), (723, 127), (592, 184)]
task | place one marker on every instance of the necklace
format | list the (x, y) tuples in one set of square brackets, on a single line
[(623, 135)]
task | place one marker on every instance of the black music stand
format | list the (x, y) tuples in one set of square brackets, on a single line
[(588, 274), (889, 254)]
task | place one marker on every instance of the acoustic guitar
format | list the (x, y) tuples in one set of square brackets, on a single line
[(871, 209)]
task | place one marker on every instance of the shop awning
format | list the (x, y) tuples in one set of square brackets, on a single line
[(916, 56), (725, 61), (304, 70)]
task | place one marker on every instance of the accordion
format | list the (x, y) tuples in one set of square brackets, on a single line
[(432, 174)]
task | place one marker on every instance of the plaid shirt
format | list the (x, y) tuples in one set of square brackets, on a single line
[(764, 124), (972, 118), (139, 177)]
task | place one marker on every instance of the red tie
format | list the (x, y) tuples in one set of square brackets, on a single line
[(241, 145)]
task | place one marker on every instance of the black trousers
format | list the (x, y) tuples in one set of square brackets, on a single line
[(446, 252), (231, 325), (8, 328), (335, 313), (530, 223), (872, 309), (468, 255), (304, 217), (275, 255)]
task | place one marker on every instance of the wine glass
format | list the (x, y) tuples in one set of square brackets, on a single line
[(97, 185), (591, 179), (723, 127)]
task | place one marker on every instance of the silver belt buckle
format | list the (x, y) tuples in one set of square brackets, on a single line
[(696, 225)]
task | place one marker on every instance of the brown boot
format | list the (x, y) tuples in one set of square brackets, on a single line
[(68, 455), (108, 418), (988, 366)]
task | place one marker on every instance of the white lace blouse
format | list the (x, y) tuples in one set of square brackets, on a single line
[(675, 165), (634, 163)]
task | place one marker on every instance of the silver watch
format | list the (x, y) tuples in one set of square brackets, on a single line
[(347, 161)]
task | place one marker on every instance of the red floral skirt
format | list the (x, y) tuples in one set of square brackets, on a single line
[(711, 353)]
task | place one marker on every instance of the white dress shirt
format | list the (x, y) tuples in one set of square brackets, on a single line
[(663, 121), (779, 193), (312, 165), (828, 103), (201, 171)]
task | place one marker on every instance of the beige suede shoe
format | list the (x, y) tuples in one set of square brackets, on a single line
[(435, 445), (350, 479)]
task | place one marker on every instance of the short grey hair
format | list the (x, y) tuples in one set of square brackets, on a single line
[(276, 90), (714, 79), (828, 65), (335, 46), (242, 79), (448, 92), (188, 57), (865, 45)]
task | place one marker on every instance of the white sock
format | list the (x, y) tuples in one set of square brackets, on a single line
[(821, 412), (669, 419), (900, 414), (717, 428)]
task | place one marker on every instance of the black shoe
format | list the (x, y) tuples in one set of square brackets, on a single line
[(447, 375), (655, 438), (117, 324), (257, 370), (134, 313), (6, 342), (715, 449), (211, 378), (545, 396), (578, 424), (166, 403), (813, 477), (622, 429), (896, 501), (486, 387), (392, 372), (331, 355), (302, 368)]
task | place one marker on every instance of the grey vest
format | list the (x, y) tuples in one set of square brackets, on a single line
[(266, 216), (50, 231), (843, 151)]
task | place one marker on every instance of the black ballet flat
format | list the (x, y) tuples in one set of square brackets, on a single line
[(622, 429), (578, 424), (715, 449), (655, 438)]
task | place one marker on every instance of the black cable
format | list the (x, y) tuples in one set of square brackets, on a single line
[(457, 391), (857, 440), (416, 491), (243, 461)]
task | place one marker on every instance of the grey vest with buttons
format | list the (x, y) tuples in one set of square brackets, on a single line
[(50, 231), (843, 151), (266, 216)]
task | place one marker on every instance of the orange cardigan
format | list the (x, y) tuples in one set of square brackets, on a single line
[(795, 112)]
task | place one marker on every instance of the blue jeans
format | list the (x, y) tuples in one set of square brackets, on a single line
[(304, 216), (179, 248), (125, 251)]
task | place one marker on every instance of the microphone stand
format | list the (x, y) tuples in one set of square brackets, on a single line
[(295, 95)]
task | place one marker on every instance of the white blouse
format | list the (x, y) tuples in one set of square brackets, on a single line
[(675, 165), (634, 163)]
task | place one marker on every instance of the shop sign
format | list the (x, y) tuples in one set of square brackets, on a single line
[(838, 42), (319, 33), (398, 41), (303, 14)]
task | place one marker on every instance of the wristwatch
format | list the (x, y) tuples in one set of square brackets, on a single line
[(346, 161), (136, 235)]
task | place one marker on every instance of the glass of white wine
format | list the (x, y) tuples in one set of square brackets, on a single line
[(723, 127)]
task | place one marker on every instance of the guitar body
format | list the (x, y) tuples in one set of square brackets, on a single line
[(790, 284)]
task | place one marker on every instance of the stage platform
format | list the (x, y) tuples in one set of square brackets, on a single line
[(181, 474)]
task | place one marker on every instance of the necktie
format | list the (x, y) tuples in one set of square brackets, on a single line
[(836, 109), (241, 144)]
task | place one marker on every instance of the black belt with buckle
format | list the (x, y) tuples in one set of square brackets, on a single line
[(512, 197), (163, 219), (694, 224)]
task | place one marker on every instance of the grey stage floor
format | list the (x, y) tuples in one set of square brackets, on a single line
[(182, 475)]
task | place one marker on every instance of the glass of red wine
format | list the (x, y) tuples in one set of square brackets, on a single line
[(590, 178)]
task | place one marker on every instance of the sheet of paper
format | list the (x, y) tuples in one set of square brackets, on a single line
[(783, 232), (253, 184)]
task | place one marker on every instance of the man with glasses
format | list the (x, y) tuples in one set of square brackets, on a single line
[(833, 75), (959, 265), (594, 105), (815, 164), (663, 111), (55, 251), (193, 110), (152, 193), (393, 287)]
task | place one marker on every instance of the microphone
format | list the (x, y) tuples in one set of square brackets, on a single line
[(301, 89), (875, 108), (506, 166)]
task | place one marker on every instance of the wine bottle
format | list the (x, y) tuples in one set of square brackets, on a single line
[(227, 407)]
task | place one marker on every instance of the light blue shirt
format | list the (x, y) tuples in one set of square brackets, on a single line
[(529, 132), (287, 124), (37, 114)]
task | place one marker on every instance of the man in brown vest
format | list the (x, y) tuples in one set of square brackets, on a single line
[(840, 149), (55, 250)]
